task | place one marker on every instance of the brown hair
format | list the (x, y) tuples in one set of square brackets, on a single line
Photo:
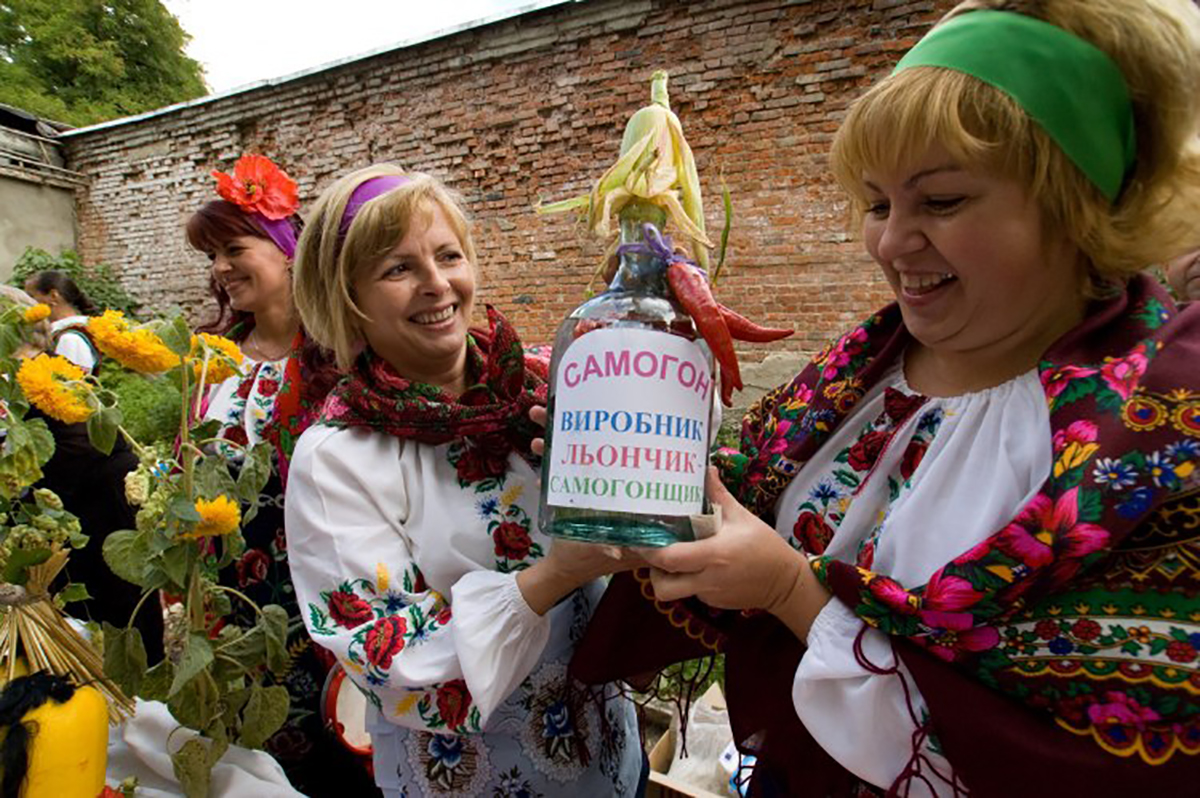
[(1156, 44)]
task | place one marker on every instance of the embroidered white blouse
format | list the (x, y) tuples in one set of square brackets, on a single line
[(243, 403), (74, 346), (906, 484), (407, 573)]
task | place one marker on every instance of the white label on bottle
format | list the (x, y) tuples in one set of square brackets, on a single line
[(631, 420)]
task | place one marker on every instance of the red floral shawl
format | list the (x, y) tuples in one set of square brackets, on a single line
[(1082, 609), (492, 415)]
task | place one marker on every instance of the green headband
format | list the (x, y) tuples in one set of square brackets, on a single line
[(1070, 87)]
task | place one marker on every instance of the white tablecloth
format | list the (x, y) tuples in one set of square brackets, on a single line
[(138, 747)]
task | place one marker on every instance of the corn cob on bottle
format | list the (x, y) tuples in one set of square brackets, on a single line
[(631, 380)]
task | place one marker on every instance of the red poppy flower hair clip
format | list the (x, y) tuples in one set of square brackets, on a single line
[(266, 193)]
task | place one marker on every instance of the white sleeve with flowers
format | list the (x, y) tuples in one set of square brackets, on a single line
[(382, 541)]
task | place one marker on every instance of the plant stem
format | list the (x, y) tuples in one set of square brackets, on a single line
[(240, 595), (138, 607)]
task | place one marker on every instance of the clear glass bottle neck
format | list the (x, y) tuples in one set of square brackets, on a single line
[(640, 272)]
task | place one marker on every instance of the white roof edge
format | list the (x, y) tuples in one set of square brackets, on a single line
[(517, 11)]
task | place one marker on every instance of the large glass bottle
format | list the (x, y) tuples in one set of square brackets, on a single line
[(630, 406)]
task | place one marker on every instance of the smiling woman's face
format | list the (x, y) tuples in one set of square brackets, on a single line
[(418, 302), (253, 272), (968, 256)]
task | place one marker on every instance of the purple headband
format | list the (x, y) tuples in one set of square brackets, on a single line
[(279, 230), (367, 191)]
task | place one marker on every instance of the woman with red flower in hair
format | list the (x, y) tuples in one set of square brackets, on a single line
[(249, 234), (411, 512)]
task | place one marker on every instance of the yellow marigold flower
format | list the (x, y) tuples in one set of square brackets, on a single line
[(36, 313), (223, 354), (48, 384), (217, 517), (136, 348)]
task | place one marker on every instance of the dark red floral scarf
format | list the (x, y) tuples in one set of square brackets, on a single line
[(491, 416)]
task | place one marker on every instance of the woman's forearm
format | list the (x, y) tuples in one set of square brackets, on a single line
[(803, 602)]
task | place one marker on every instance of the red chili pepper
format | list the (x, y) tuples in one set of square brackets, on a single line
[(726, 388), (742, 329), (693, 292)]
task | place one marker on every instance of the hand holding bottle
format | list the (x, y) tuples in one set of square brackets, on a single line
[(537, 414), (745, 565), (570, 565)]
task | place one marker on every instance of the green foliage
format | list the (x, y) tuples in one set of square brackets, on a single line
[(97, 281), (85, 61), (730, 432), (150, 406), (698, 674)]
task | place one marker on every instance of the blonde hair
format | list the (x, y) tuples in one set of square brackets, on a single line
[(40, 335), (1155, 43), (326, 265)]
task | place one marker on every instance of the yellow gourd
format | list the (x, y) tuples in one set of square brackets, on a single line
[(69, 750)]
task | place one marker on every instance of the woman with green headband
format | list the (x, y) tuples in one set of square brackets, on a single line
[(968, 533)]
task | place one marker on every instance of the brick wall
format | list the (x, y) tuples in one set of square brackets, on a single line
[(533, 107)]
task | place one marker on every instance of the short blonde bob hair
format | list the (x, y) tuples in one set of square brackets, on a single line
[(1156, 44), (327, 266)]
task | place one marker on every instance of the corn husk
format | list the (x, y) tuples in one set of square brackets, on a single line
[(656, 166), (33, 630)]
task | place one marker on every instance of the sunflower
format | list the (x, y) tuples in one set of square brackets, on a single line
[(55, 386), (217, 517), (136, 348), (223, 357), (36, 313)]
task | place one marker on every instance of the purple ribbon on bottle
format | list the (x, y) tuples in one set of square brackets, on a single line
[(657, 245)]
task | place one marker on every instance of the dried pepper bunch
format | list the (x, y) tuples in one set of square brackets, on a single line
[(656, 167)]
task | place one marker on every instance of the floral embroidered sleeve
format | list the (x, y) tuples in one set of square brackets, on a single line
[(364, 598)]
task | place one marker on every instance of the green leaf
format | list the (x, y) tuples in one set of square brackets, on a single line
[(102, 428), (234, 701), (1075, 390), (183, 509), (265, 712), (177, 335), (213, 477), (256, 470), (41, 439), (274, 621), (192, 706), (75, 591), (177, 560), (1109, 400), (10, 340), (218, 737), (197, 655), (233, 546), (192, 769), (156, 685), (127, 553), (1091, 507), (206, 429), (16, 570), (124, 657)]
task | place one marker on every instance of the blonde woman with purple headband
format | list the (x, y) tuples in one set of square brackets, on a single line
[(970, 528), (411, 515)]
